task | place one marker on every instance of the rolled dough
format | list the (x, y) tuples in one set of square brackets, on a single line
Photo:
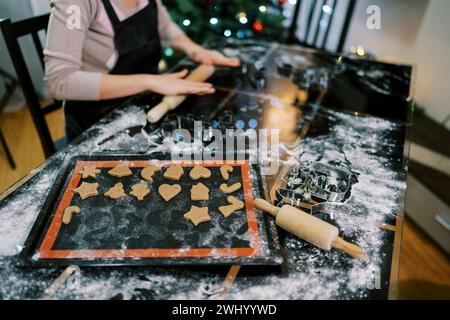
[(121, 170), (235, 205), (68, 213), (89, 172), (140, 191), (225, 171), (199, 192), (116, 192), (197, 215), (230, 189), (87, 190), (168, 192), (174, 172), (148, 172), (199, 172)]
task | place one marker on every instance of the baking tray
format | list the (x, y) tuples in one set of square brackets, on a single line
[(128, 232)]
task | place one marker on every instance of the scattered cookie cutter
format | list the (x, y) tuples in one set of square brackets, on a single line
[(315, 179)]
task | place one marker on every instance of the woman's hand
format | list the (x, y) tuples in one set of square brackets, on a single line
[(174, 84), (212, 57)]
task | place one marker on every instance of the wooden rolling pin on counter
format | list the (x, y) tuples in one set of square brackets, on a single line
[(309, 228)]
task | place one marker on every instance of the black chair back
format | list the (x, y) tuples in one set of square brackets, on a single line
[(9, 84), (320, 16), (12, 32)]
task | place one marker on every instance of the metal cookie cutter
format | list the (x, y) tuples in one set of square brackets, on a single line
[(315, 179)]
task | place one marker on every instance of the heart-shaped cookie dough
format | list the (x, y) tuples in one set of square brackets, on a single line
[(168, 192), (199, 172)]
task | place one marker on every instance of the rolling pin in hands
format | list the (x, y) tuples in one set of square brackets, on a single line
[(201, 74), (309, 228)]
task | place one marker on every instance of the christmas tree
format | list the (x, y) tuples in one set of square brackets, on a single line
[(205, 20)]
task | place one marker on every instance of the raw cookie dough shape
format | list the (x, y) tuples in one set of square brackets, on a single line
[(235, 205), (225, 171), (121, 170), (116, 192), (230, 189), (168, 192), (148, 172), (199, 192), (140, 191), (68, 213), (89, 172), (197, 215), (199, 172), (174, 172), (87, 190)]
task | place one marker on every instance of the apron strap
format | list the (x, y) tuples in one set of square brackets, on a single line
[(111, 12)]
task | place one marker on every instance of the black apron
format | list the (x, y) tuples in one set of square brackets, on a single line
[(138, 46)]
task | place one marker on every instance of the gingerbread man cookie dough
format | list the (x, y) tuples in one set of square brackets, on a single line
[(140, 191), (116, 192), (89, 172)]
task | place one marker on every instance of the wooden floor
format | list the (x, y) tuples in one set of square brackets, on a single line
[(424, 268)]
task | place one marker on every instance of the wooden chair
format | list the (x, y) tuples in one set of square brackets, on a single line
[(317, 36), (10, 84), (12, 32)]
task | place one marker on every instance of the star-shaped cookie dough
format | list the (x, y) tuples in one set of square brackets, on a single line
[(197, 215), (89, 172), (87, 190), (140, 191)]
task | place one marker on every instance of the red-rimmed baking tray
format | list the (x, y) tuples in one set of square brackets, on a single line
[(151, 232)]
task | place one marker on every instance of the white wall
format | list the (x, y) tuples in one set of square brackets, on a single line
[(40, 6), (413, 32)]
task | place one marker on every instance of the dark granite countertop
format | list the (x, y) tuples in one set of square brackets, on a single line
[(335, 110)]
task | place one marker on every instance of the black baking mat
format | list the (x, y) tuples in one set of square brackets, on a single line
[(152, 225)]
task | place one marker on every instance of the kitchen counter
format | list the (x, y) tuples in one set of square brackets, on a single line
[(354, 114)]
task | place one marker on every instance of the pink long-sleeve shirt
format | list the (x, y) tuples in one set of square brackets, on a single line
[(75, 58)]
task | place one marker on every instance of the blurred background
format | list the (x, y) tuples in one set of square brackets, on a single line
[(411, 32)]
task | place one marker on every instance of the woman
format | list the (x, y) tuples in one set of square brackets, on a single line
[(112, 54)]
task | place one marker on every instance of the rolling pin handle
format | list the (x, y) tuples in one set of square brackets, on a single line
[(349, 248), (267, 207), (158, 112)]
